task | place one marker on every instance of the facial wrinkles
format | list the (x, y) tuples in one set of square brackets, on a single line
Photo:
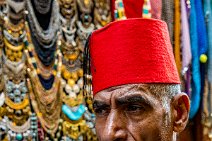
[(122, 91), (128, 90), (165, 103), (146, 95), (119, 92)]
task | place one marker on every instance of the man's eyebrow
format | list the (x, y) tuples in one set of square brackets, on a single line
[(133, 99), (100, 104)]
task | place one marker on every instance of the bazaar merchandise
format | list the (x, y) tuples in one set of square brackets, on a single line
[(42, 45)]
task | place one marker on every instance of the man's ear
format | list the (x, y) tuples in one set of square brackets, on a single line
[(180, 111)]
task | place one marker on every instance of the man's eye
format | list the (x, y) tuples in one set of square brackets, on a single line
[(135, 108), (101, 111)]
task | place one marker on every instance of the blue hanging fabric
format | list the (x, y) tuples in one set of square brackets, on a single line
[(201, 28), (202, 41), (196, 82)]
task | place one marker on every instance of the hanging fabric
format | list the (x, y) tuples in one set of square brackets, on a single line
[(177, 35), (196, 82), (168, 15), (186, 47), (185, 38)]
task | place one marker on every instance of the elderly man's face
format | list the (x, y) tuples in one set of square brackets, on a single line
[(132, 113)]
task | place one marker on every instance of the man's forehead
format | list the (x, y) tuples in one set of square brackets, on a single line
[(124, 94), (122, 90)]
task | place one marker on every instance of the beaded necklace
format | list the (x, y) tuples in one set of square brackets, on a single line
[(75, 125), (26, 131), (84, 24), (45, 37), (43, 6), (16, 5), (44, 52), (46, 102), (102, 13), (34, 62), (36, 73)]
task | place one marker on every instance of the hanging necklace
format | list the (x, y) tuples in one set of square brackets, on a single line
[(33, 63), (82, 31), (44, 40), (84, 24), (48, 36), (69, 30), (26, 131), (15, 67), (42, 6), (46, 103), (17, 6), (102, 13), (68, 22), (46, 56), (48, 113), (16, 92)]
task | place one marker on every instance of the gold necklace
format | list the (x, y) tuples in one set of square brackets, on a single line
[(49, 120), (17, 106), (74, 130), (46, 96), (46, 103)]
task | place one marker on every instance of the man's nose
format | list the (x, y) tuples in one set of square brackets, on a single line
[(115, 127)]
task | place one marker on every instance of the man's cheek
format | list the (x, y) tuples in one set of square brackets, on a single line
[(99, 126), (146, 130), (151, 133)]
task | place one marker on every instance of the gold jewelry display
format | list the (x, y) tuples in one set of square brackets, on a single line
[(72, 129), (46, 103), (73, 101), (102, 13), (48, 114), (15, 30), (23, 63), (14, 53), (13, 48), (71, 44), (15, 109), (17, 106)]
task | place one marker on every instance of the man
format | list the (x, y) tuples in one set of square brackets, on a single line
[(136, 86)]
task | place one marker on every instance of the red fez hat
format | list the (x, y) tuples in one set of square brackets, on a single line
[(132, 51)]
